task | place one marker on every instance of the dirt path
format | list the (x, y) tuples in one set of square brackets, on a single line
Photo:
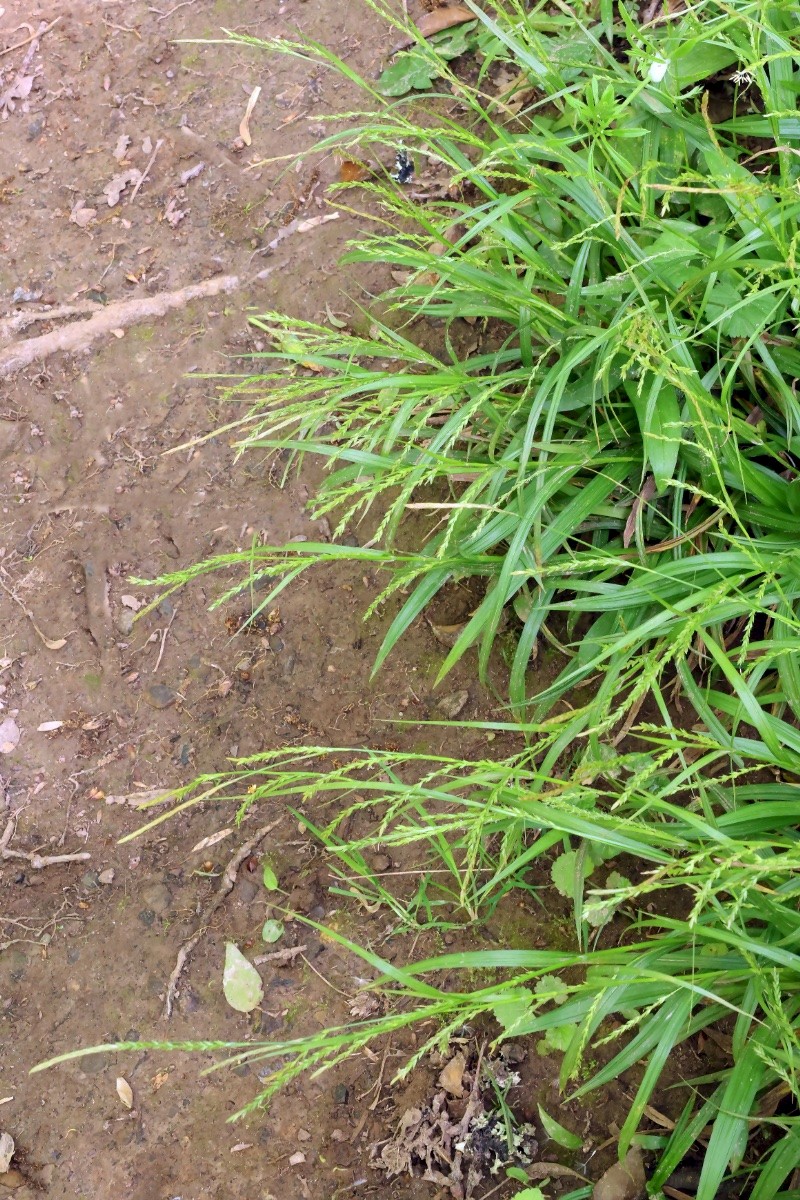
[(87, 500)]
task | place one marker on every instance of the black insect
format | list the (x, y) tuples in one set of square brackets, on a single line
[(403, 166)]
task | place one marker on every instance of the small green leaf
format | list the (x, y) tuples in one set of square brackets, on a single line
[(560, 1135), (517, 1173), (556, 1039), (551, 986), (241, 982), (272, 931), (563, 872), (533, 1193), (512, 1009), (408, 73), (270, 878)]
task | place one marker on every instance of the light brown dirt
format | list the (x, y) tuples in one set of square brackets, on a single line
[(88, 499)]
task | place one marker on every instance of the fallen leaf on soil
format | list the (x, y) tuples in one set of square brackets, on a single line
[(174, 215), (624, 1180), (211, 840), (448, 635), (352, 172), (125, 1092), (192, 173), (116, 186), (123, 141), (48, 726), (272, 931), (244, 124), (131, 602), (20, 89), (452, 1075), (159, 1079), (301, 227), (241, 982), (440, 18), (6, 1151), (365, 1004), (140, 799), (81, 215), (241, 1146), (9, 735), (452, 704)]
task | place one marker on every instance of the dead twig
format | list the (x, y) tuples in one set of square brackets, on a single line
[(36, 860), (280, 958), (81, 334), (223, 891), (40, 32), (146, 171), (163, 15), (164, 633)]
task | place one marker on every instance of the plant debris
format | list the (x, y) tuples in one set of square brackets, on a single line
[(457, 1145)]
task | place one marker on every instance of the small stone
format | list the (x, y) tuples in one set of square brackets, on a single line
[(157, 897), (147, 917), (297, 1159), (90, 880), (248, 890), (303, 1135), (451, 705), (166, 608), (106, 877), (340, 1093), (158, 695), (378, 862)]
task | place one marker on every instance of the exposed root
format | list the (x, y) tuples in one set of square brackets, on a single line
[(81, 334), (32, 857), (223, 891)]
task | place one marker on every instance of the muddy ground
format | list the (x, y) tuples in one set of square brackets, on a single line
[(88, 499)]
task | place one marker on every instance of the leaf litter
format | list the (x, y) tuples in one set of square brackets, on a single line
[(461, 1136)]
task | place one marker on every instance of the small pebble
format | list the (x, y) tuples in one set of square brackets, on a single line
[(158, 695), (107, 876)]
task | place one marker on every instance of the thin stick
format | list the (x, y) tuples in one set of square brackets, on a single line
[(146, 171), (164, 638), (225, 888), (39, 33), (164, 16)]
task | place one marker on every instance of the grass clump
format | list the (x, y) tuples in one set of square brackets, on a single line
[(615, 461)]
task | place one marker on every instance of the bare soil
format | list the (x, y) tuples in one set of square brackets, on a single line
[(88, 499)]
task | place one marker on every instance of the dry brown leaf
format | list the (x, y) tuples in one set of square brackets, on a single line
[(624, 1180), (448, 635), (125, 1092), (117, 184), (244, 124), (211, 840), (444, 17), (352, 172), (452, 1075)]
